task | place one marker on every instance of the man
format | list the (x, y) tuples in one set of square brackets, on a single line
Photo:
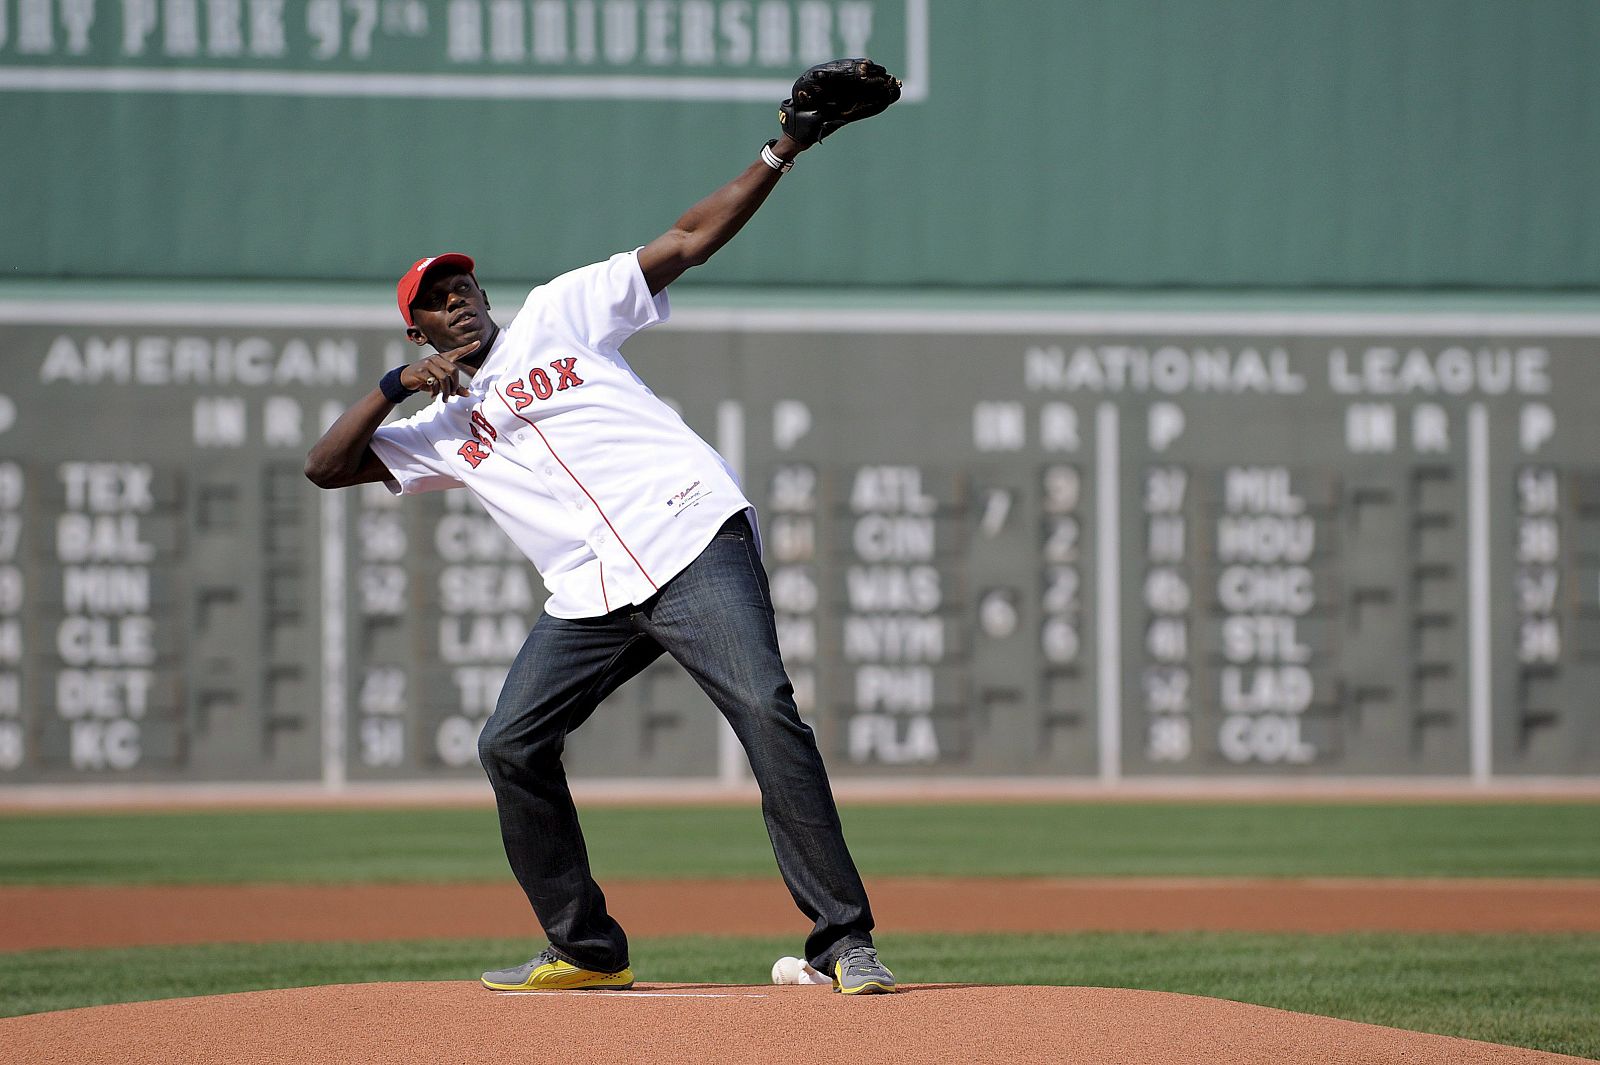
[(644, 539)]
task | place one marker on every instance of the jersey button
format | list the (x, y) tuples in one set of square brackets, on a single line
[(549, 471)]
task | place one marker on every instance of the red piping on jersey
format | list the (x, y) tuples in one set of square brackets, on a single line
[(592, 499)]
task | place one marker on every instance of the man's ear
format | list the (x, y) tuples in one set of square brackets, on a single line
[(485, 293), (414, 335)]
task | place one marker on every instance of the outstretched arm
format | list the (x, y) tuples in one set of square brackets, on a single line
[(825, 98), (712, 222)]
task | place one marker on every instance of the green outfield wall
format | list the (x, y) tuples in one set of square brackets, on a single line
[(1213, 143)]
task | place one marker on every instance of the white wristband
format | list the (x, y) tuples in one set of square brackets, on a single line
[(770, 157)]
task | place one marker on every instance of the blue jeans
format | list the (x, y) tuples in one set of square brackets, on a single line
[(715, 618)]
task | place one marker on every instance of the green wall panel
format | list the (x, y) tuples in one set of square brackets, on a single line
[(1211, 143)]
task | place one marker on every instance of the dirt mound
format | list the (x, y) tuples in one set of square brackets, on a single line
[(460, 1022)]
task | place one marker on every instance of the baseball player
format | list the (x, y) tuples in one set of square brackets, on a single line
[(643, 537)]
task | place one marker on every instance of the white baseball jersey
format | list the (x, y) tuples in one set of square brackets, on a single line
[(597, 481)]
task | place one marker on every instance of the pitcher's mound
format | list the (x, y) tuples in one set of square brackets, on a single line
[(676, 1023)]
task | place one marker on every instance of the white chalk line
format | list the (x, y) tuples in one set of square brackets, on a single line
[(634, 994)]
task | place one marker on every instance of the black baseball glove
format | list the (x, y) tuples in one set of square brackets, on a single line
[(831, 95)]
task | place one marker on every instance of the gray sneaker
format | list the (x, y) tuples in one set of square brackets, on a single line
[(549, 973), (859, 972)]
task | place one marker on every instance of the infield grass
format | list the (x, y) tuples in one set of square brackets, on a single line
[(1533, 991), (1015, 839)]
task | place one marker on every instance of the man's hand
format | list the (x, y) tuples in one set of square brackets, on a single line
[(830, 96), (344, 455), (439, 374)]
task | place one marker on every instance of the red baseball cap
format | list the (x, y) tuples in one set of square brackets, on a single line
[(412, 279)]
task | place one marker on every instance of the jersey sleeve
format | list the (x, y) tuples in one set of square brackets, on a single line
[(605, 303), (410, 448)]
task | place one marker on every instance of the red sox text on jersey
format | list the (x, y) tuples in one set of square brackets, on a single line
[(483, 433), (580, 476)]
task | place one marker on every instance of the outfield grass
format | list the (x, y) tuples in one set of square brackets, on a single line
[(1044, 839), (1533, 991)]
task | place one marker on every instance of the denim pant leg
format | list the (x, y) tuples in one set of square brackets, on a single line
[(562, 672), (716, 619)]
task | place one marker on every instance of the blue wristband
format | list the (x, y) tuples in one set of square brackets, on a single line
[(392, 389)]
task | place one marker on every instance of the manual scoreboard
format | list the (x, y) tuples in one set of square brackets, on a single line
[(1096, 546)]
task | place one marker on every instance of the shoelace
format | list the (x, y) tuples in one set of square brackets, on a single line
[(861, 957)]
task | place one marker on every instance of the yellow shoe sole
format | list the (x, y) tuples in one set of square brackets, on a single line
[(559, 976), (866, 987), (871, 987)]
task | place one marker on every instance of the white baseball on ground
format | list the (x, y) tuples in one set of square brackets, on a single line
[(787, 970)]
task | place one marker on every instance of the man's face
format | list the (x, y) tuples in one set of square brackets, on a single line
[(450, 310)]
